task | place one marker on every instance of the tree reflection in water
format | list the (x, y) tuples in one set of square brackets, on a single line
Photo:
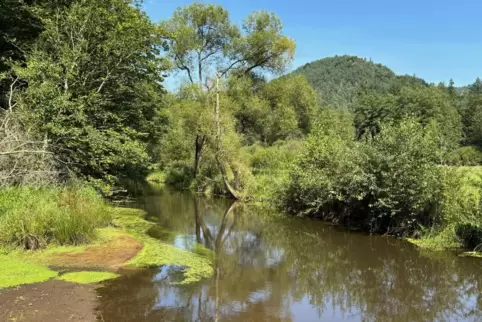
[(274, 268)]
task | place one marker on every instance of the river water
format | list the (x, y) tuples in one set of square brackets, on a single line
[(277, 268)]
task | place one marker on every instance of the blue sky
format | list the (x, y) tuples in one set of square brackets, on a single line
[(436, 40)]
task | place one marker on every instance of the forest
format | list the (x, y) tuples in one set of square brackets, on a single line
[(85, 115)]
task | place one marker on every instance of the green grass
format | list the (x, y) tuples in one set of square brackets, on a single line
[(460, 206), (33, 218), (15, 272), (87, 277), (156, 253)]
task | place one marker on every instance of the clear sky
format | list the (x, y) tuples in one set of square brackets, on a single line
[(436, 40)]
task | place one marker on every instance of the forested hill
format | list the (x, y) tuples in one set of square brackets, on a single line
[(339, 79)]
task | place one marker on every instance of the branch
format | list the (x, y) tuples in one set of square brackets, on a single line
[(184, 67), (231, 66), (25, 151), (259, 63)]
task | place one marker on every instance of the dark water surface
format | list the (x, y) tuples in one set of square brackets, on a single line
[(277, 268)]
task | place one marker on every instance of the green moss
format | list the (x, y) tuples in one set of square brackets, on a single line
[(14, 272), (87, 277), (155, 253)]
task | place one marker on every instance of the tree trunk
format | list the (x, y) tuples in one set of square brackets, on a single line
[(233, 193), (199, 144)]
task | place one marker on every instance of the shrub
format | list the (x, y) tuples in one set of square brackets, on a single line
[(328, 178), (465, 156), (179, 175), (389, 183), (404, 178), (33, 217)]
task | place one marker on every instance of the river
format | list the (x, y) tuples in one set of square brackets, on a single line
[(272, 267)]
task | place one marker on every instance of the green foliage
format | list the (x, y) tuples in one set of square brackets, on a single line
[(179, 175), (93, 92), (32, 218), (403, 178), (385, 183), (427, 104), (465, 156), (329, 172), (339, 79)]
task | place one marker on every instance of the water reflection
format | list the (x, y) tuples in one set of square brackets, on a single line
[(275, 268)]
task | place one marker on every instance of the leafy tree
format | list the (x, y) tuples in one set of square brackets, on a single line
[(424, 103), (203, 41), (94, 77), (471, 111), (278, 110)]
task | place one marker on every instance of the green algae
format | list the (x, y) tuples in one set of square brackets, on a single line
[(15, 272), (20, 267), (156, 253), (87, 277)]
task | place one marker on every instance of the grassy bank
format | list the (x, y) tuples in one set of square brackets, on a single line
[(461, 224), (32, 218), (75, 232)]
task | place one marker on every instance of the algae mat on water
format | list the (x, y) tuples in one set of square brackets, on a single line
[(23, 267), (87, 277), (155, 253), (14, 272)]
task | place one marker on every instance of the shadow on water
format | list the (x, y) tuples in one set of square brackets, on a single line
[(276, 268)]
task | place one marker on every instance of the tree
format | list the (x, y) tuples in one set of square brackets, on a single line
[(202, 41), (420, 102), (471, 111), (94, 77)]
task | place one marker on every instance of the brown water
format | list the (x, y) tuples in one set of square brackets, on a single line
[(278, 268)]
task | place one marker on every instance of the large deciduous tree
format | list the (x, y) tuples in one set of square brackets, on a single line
[(203, 42), (94, 80)]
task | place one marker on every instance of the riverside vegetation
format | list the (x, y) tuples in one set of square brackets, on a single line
[(83, 113)]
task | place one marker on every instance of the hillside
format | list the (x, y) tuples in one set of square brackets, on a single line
[(338, 79)]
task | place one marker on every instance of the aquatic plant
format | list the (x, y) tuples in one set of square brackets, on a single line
[(156, 253)]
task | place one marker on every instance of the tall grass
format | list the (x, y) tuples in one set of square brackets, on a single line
[(32, 217)]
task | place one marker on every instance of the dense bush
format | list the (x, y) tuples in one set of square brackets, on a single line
[(32, 217), (179, 175), (329, 175), (388, 184), (465, 156)]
